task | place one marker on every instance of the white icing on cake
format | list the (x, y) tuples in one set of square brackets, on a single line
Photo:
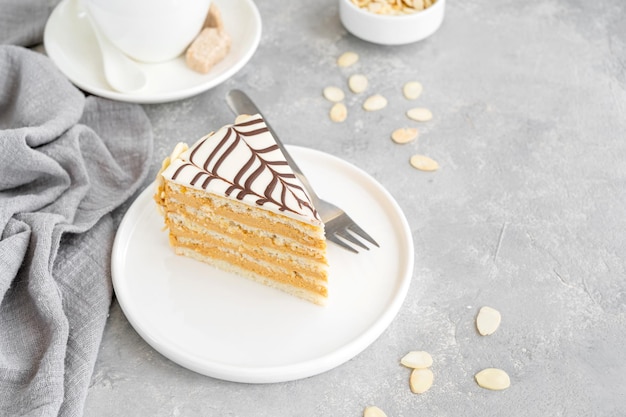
[(242, 161)]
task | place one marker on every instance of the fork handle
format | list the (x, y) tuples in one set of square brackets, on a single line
[(240, 103)]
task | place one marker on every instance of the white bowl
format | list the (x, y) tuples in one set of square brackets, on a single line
[(389, 29)]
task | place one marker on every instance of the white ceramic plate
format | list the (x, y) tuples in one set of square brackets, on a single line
[(228, 327), (71, 44)]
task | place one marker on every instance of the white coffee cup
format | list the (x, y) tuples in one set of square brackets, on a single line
[(149, 30)]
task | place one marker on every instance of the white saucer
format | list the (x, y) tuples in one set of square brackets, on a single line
[(70, 43), (228, 327)]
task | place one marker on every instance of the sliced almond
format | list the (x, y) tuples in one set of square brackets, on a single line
[(417, 359), (357, 83), (339, 112), (419, 114), (347, 59), (334, 94), (421, 380), (404, 135), (393, 7), (374, 103), (423, 163), (178, 149), (488, 320), (412, 90), (419, 4), (373, 411), (493, 379), (375, 7), (242, 118)]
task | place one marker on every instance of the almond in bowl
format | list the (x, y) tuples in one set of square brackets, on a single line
[(392, 22)]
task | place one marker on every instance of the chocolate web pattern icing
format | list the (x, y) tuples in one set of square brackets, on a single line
[(243, 161)]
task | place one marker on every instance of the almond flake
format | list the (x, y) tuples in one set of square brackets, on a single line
[(375, 102), (178, 149), (424, 163), (357, 83), (404, 135), (417, 359), (419, 4), (488, 320), (420, 114), (421, 380), (347, 59), (242, 118), (493, 378), (334, 94), (375, 8), (393, 7), (412, 90), (339, 112), (373, 411)]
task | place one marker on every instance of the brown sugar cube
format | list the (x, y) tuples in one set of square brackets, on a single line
[(209, 48), (214, 18)]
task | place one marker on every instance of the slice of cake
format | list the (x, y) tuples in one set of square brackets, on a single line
[(232, 201)]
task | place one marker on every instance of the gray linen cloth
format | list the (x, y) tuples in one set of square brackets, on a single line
[(22, 21), (66, 162)]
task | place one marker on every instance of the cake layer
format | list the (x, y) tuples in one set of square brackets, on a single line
[(310, 270), (317, 297), (269, 272), (214, 206), (229, 226)]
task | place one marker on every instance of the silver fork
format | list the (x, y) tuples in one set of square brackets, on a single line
[(340, 228)]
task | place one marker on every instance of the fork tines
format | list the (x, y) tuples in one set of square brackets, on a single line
[(342, 236)]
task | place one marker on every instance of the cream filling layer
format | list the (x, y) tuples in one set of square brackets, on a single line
[(260, 267), (180, 227), (214, 205), (303, 293)]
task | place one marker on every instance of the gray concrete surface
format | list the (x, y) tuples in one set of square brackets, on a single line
[(526, 214)]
